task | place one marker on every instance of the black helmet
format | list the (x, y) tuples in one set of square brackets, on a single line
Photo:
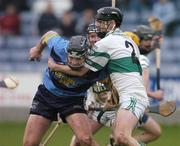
[(78, 46), (144, 32), (91, 28), (110, 13)]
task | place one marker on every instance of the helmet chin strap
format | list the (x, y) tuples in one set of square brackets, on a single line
[(113, 28)]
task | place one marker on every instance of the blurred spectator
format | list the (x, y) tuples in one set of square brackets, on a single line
[(83, 21), (123, 4), (139, 6), (147, 4), (47, 20), (80, 5), (10, 21), (21, 5), (173, 28), (67, 24), (100, 3), (59, 6), (165, 11)]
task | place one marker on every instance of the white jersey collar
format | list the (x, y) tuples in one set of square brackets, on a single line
[(117, 31)]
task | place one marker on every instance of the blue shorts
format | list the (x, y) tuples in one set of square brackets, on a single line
[(48, 105), (143, 119)]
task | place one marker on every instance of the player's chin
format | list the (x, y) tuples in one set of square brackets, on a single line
[(76, 68)]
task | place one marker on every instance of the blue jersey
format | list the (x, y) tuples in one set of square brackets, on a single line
[(61, 84)]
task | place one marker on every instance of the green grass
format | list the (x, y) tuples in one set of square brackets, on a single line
[(11, 134)]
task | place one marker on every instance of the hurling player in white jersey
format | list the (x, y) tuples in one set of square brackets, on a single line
[(100, 93), (120, 55)]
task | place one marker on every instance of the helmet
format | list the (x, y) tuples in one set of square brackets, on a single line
[(110, 13), (144, 32), (92, 34), (78, 46), (133, 36), (91, 28)]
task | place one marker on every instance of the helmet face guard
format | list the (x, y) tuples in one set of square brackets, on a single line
[(146, 36), (76, 66), (77, 54), (92, 34), (143, 31), (102, 27), (92, 28), (78, 49)]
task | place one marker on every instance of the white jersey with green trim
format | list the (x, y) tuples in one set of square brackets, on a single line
[(144, 61), (120, 55), (91, 98)]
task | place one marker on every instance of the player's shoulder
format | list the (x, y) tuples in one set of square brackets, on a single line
[(144, 61), (60, 42), (121, 37), (144, 57), (59, 39)]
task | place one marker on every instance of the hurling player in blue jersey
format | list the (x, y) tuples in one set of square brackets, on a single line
[(60, 93)]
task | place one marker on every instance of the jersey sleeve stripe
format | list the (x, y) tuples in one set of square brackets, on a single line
[(124, 65), (49, 36), (144, 65), (90, 64), (102, 54)]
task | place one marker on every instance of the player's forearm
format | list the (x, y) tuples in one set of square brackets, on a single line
[(40, 46), (67, 70), (154, 95)]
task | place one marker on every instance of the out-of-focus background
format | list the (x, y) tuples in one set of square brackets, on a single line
[(22, 22)]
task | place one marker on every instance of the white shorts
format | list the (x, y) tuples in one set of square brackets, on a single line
[(136, 106), (105, 118)]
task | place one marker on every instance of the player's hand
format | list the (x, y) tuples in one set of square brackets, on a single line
[(159, 94), (51, 64), (11, 82), (34, 54)]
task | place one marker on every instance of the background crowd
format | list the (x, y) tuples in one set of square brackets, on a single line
[(23, 21)]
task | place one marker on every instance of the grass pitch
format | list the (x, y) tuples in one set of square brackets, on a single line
[(11, 134)]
